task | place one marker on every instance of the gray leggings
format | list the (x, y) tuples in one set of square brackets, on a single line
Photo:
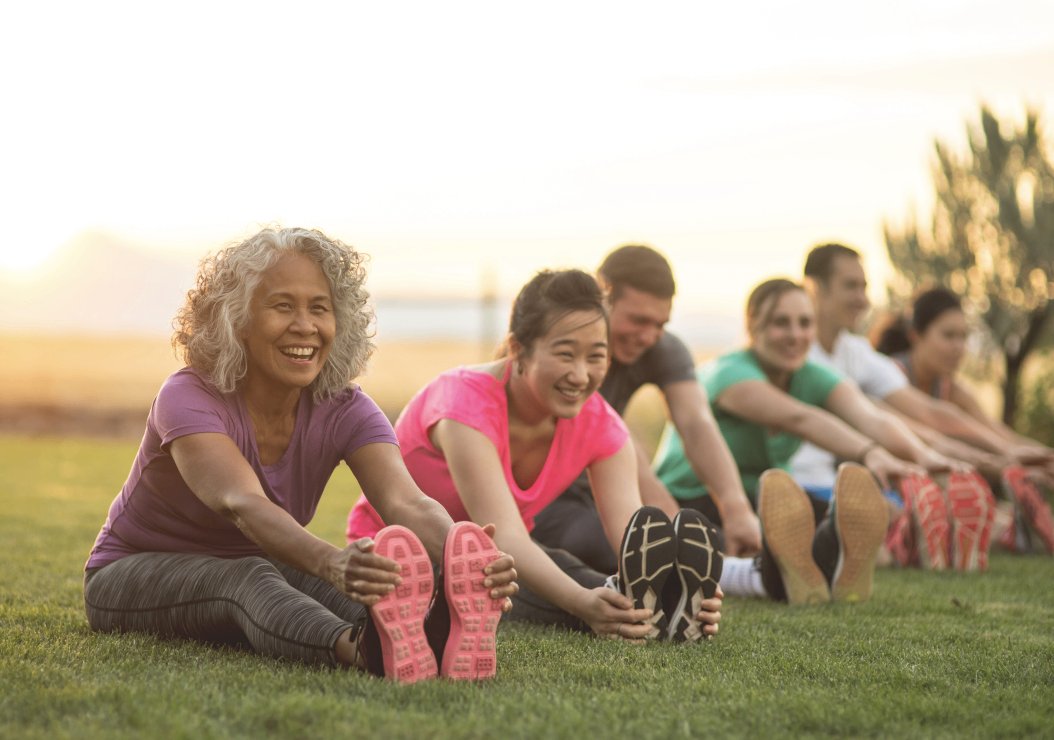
[(272, 608)]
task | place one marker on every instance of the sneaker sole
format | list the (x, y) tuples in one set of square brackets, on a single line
[(399, 616), (930, 523), (646, 557), (970, 516), (1034, 511), (699, 563), (788, 524), (861, 518), (474, 615)]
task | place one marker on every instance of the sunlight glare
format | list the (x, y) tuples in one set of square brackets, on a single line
[(18, 259)]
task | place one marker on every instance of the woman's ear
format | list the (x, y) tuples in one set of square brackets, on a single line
[(517, 354), (516, 350)]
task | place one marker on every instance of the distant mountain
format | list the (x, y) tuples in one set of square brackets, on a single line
[(101, 284)]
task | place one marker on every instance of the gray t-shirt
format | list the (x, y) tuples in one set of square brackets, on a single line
[(669, 361)]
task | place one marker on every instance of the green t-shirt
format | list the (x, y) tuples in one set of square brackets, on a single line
[(754, 448)]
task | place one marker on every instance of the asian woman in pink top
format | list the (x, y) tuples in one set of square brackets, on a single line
[(497, 442)]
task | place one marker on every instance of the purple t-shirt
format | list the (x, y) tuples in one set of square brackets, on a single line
[(157, 512)]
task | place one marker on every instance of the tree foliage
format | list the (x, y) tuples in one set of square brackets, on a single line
[(991, 237)]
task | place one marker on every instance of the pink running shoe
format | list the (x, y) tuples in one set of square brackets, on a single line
[(400, 616), (924, 500), (1032, 510), (972, 511), (900, 539), (474, 615)]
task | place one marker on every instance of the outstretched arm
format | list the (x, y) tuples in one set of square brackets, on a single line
[(945, 417), (849, 403), (1014, 445), (215, 470), (713, 464), (480, 481), (762, 403)]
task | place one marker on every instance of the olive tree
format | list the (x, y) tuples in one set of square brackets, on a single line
[(990, 237)]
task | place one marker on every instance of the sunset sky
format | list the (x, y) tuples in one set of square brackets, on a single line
[(449, 140)]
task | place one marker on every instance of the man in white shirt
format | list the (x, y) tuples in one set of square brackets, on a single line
[(835, 279)]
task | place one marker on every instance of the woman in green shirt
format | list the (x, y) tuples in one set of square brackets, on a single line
[(767, 398)]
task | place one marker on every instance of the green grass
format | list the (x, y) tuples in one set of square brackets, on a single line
[(931, 655)]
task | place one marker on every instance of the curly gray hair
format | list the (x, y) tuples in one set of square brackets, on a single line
[(209, 326)]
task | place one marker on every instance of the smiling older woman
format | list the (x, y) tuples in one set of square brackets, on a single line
[(206, 539)]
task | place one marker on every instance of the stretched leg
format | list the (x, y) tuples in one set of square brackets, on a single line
[(571, 523), (528, 606), (243, 601)]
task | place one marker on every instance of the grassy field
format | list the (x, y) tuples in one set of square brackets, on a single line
[(931, 655)]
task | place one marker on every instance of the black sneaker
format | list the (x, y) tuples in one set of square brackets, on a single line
[(646, 558), (699, 562)]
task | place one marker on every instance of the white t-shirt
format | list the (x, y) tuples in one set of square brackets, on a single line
[(877, 375)]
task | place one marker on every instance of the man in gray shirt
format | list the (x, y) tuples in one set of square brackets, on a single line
[(639, 286)]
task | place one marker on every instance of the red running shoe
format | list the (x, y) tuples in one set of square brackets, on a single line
[(1032, 512), (972, 511), (924, 501), (400, 616), (474, 615), (900, 537), (900, 540)]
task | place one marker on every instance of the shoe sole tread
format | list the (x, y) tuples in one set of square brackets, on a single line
[(646, 560), (861, 520), (1035, 512), (788, 524), (470, 652), (699, 563), (399, 616)]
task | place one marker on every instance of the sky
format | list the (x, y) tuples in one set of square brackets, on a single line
[(470, 143)]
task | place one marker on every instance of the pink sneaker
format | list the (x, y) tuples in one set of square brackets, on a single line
[(399, 617), (924, 501), (1032, 510), (474, 615), (900, 539), (972, 511)]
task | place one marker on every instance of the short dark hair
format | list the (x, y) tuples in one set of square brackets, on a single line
[(639, 267), (548, 297), (930, 305), (891, 336), (818, 262), (894, 335)]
